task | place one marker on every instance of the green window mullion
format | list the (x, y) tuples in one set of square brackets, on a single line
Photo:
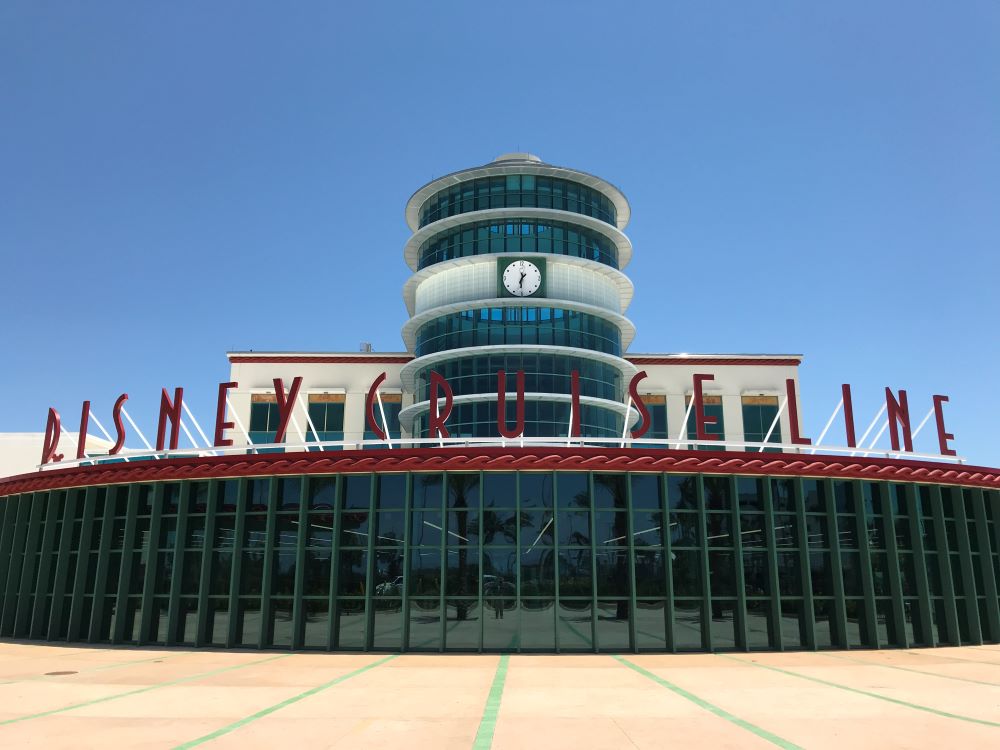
[(174, 597), (920, 567), (152, 556), (14, 571), (482, 538), (633, 608), (706, 586), (407, 520), (334, 605), (517, 540), (103, 561), (593, 569), (266, 608), (772, 566), (37, 628), (442, 604), (9, 517), (668, 564), (965, 555), (805, 564), (370, 566), (124, 580), (298, 607), (944, 564), (839, 605), (26, 593), (990, 583), (556, 546), (207, 554), (742, 639), (239, 526), (895, 584), (82, 563), (867, 582)]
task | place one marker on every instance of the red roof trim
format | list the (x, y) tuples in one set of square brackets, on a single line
[(506, 459), (711, 361), (320, 360), (333, 359)]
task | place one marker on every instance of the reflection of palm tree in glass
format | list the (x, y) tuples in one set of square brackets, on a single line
[(614, 484), (459, 487), (495, 525)]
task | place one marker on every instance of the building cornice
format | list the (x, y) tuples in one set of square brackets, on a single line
[(506, 459)]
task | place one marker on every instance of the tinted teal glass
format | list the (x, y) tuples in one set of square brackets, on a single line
[(518, 236), (541, 419), (518, 325), (543, 373), (517, 191)]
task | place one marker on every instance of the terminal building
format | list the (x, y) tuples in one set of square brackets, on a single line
[(515, 480)]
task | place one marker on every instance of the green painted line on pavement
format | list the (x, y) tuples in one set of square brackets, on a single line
[(908, 669), (146, 689), (54, 678), (278, 706), (711, 707), (488, 724), (958, 658), (859, 691)]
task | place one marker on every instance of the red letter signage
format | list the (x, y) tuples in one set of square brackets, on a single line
[(221, 425), (502, 405), (52, 431), (633, 391), (793, 413), (700, 418), (852, 440), (370, 419), (436, 419), (171, 411), (899, 414), (285, 405), (116, 415), (943, 437), (81, 443)]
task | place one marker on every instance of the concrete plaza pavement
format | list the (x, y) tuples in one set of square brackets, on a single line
[(78, 696)]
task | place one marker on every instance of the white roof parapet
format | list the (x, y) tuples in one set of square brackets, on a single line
[(513, 164)]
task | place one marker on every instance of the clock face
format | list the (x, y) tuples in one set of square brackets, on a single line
[(522, 278)]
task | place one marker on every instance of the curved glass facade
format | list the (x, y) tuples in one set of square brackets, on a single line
[(504, 561), (516, 191), (518, 236), (490, 326), (541, 419), (543, 373)]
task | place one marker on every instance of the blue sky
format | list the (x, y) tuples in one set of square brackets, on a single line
[(178, 180)]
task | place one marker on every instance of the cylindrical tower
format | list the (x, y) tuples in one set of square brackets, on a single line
[(517, 266)]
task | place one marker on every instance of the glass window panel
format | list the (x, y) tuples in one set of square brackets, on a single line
[(575, 625), (682, 492), (537, 572), (687, 573), (756, 576), (613, 576), (574, 528), (574, 491), (425, 572), (351, 624), (687, 625), (538, 624), (425, 528), (462, 625), (646, 491)]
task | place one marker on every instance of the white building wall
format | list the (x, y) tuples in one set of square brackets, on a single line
[(354, 378)]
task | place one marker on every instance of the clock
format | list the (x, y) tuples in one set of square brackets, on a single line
[(521, 278)]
